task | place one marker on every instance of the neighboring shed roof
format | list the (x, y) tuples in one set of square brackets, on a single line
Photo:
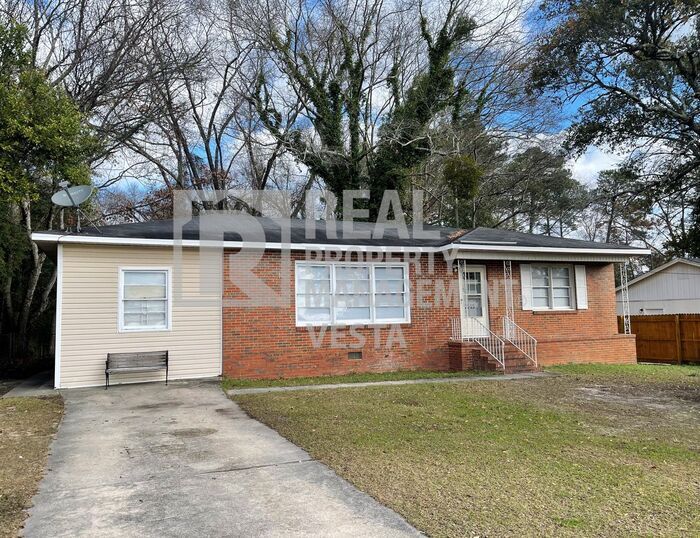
[(293, 232), (688, 261)]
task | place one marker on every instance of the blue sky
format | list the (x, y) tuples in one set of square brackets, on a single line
[(596, 159)]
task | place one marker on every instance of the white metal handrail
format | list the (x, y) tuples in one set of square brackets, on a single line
[(475, 331), (626, 324), (520, 338)]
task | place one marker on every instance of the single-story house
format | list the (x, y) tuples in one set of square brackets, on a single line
[(671, 288), (312, 298)]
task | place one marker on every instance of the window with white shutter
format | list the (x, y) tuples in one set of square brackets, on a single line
[(526, 285), (581, 287)]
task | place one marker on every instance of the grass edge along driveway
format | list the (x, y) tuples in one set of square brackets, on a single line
[(27, 426), (596, 451), (229, 383)]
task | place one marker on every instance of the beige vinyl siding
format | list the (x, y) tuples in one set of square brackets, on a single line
[(89, 324)]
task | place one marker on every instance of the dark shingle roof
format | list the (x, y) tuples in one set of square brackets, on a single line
[(509, 237), (273, 230)]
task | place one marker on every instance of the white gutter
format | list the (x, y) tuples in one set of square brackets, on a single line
[(59, 313), (136, 241), (94, 240), (549, 250)]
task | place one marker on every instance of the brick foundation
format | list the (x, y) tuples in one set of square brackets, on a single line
[(616, 349), (462, 356)]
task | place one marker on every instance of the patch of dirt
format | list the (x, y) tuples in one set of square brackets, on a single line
[(658, 401), (650, 412), (624, 407), (27, 426)]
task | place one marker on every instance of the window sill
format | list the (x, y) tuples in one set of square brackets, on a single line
[(359, 324), (555, 311), (145, 330)]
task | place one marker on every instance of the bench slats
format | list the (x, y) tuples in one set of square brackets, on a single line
[(134, 369), (137, 361), (143, 361)]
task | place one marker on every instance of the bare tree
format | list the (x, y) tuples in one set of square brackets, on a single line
[(208, 136), (374, 77), (101, 53)]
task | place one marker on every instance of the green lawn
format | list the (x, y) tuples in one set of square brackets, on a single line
[(230, 383), (595, 451), (27, 426), (655, 374)]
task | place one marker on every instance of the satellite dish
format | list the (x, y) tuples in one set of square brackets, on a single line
[(72, 196)]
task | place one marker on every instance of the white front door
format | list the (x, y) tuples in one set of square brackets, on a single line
[(473, 300)]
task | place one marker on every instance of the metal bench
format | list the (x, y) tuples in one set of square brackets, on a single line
[(146, 361)]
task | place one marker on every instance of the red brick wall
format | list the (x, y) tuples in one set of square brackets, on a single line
[(262, 341), (589, 335)]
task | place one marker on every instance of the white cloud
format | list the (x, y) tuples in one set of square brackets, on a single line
[(588, 165)]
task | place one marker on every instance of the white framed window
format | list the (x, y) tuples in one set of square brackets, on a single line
[(351, 293), (144, 299), (552, 287)]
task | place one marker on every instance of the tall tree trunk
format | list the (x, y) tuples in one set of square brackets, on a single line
[(46, 294), (7, 296), (38, 259), (7, 288), (611, 220)]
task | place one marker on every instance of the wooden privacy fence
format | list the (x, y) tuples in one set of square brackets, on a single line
[(673, 338)]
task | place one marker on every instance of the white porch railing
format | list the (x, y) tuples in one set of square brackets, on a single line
[(520, 338), (475, 331)]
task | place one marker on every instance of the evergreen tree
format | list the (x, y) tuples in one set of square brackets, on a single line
[(43, 141)]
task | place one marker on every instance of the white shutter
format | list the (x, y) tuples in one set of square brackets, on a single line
[(581, 288), (526, 285)]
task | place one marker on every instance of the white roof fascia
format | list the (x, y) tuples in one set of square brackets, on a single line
[(140, 241), (626, 252)]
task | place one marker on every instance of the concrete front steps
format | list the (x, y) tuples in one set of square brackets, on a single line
[(471, 356)]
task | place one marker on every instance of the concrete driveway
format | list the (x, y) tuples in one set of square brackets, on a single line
[(183, 460)]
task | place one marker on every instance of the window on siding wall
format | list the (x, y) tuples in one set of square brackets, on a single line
[(144, 300), (552, 287), (342, 294)]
